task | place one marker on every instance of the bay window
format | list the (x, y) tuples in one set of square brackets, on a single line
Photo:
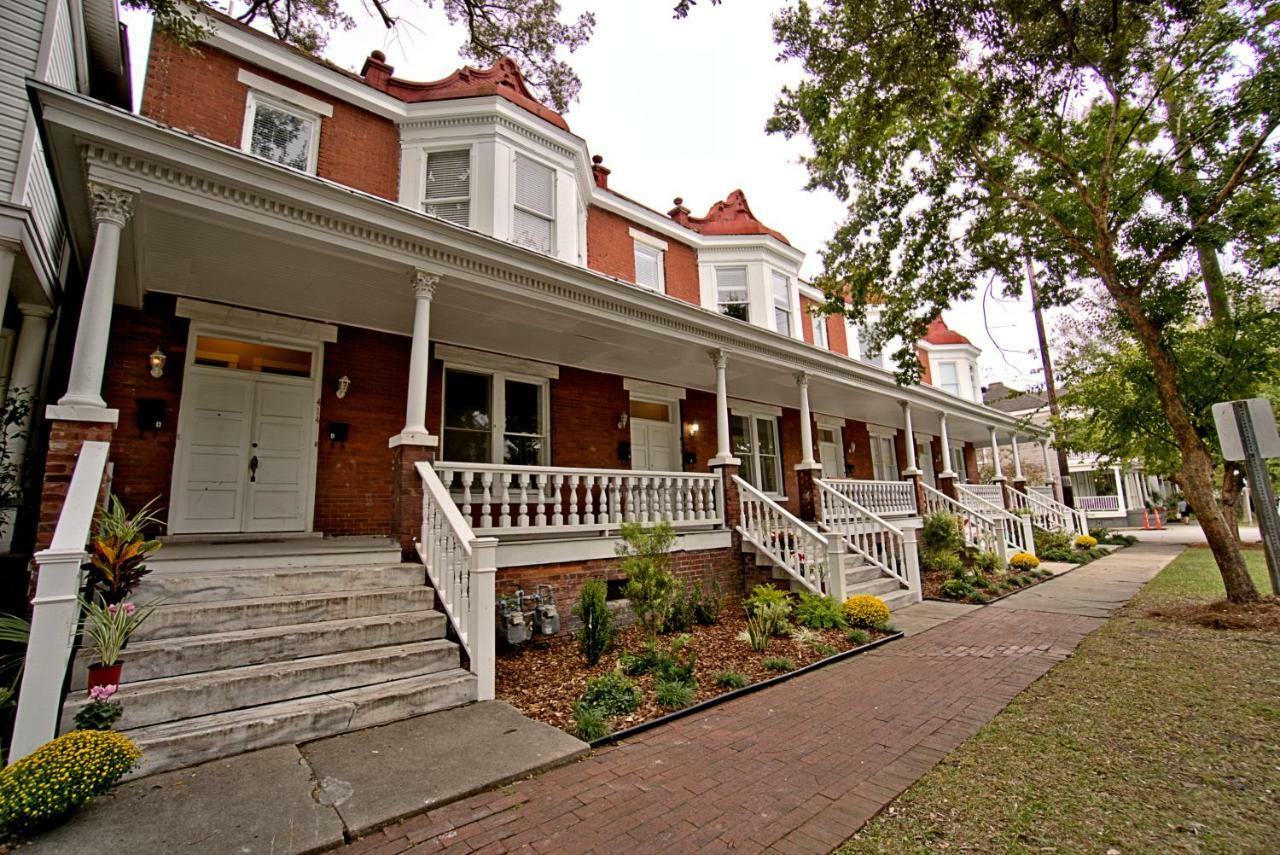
[(754, 440), (447, 194), (534, 216), (731, 292), (781, 303), (949, 377), (884, 457), (494, 418)]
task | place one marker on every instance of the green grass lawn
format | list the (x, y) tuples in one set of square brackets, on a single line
[(1154, 737)]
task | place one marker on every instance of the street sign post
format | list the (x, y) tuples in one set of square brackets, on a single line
[(1247, 431)]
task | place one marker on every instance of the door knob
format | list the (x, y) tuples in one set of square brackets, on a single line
[(253, 469)]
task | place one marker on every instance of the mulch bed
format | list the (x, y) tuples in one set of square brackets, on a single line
[(544, 678), (931, 586), (1263, 616)]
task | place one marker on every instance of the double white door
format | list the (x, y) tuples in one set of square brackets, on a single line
[(653, 446), (245, 455)]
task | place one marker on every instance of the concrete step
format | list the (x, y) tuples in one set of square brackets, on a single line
[(879, 587), (899, 599), (181, 555), (171, 657), (188, 619), (195, 740), (199, 586), (174, 698), (857, 573)]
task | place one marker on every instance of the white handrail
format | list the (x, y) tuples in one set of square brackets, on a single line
[(463, 570), (982, 532), (879, 497), (807, 556), (502, 499), (55, 609), (872, 538), (1049, 513), (1018, 534)]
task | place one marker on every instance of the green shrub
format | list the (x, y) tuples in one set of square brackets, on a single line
[(706, 610), (676, 663), (731, 679), (779, 663), (595, 636), (589, 723), (757, 633), (1046, 539), (680, 614), (988, 562), (1063, 553), (42, 788), (979, 598), (858, 636), (612, 694), (955, 589), (770, 606), (823, 649), (646, 559), (982, 582), (865, 610), (672, 695), (935, 561), (941, 533), (819, 612), (885, 627), (644, 662)]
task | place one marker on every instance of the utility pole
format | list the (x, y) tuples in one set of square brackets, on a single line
[(1050, 391)]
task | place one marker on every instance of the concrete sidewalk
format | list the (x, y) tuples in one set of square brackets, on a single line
[(797, 767)]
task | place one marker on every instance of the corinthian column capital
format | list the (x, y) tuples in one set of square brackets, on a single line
[(110, 204)]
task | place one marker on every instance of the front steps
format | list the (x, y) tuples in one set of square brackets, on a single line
[(859, 578), (279, 642)]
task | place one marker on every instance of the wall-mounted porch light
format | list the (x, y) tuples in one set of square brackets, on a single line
[(157, 360), (623, 421), (344, 383), (693, 428)]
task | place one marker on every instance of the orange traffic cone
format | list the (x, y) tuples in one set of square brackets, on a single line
[(1146, 520), (1159, 523)]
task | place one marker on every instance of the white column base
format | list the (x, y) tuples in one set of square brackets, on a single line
[(82, 413), (721, 460), (423, 439), (814, 465)]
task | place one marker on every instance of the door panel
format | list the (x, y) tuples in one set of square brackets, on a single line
[(652, 446), (831, 452), (279, 481), (214, 454)]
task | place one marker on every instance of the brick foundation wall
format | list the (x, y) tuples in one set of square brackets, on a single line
[(198, 91), (611, 251)]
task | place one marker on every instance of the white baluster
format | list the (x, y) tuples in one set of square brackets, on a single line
[(522, 483), (557, 487)]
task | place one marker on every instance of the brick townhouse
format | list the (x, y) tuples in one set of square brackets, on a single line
[(338, 321)]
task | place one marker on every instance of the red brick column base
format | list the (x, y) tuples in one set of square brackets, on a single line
[(917, 485), (406, 495), (65, 440), (732, 515), (1020, 486), (806, 474), (947, 485)]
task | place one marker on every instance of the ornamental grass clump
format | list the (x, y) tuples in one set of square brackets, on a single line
[(866, 611), (673, 695), (43, 788), (612, 694)]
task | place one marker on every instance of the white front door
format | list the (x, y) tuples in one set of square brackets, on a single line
[(653, 446), (213, 452), (831, 452), (280, 458), (924, 456)]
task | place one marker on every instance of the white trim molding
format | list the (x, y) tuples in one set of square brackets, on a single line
[(284, 93), (466, 357), (653, 390), (753, 408), (647, 239), (259, 322)]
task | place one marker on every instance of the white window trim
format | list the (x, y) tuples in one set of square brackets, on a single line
[(498, 403), (423, 153), (746, 286), (555, 207), (649, 389), (790, 307), (647, 239), (256, 97), (955, 366), (820, 323), (486, 361), (661, 285), (751, 413), (285, 94), (739, 407), (962, 474)]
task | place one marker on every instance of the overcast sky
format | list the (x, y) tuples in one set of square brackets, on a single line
[(677, 108)]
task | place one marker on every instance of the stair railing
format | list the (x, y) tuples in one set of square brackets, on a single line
[(1018, 534), (872, 538), (1049, 513), (981, 532), (462, 569), (808, 557)]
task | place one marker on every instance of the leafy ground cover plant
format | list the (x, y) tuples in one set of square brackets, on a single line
[(779, 663), (819, 612), (673, 695)]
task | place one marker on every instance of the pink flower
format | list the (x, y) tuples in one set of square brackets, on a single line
[(103, 693), (111, 609), (130, 608)]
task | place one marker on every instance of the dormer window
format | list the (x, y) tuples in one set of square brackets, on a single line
[(535, 205), (649, 254), (781, 303), (447, 194), (281, 133), (732, 298)]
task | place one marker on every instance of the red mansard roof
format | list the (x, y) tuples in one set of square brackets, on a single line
[(940, 333), (732, 216)]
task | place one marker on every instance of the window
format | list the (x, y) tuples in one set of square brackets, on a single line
[(755, 443), (648, 266), (281, 134), (535, 208), (948, 378), (957, 463), (494, 418), (866, 352), (820, 332), (781, 303), (448, 186), (731, 292), (884, 457), (973, 375), (252, 356)]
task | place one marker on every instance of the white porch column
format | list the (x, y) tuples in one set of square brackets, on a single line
[(723, 453), (415, 409), (912, 468), (1017, 460), (1115, 471), (1048, 462), (995, 456), (806, 421), (112, 208), (27, 359), (946, 447)]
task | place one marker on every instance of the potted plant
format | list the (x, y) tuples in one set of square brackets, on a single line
[(118, 554), (106, 628)]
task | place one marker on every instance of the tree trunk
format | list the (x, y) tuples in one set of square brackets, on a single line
[(1232, 489), (1197, 465)]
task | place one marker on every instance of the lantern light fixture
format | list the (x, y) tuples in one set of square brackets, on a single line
[(156, 361)]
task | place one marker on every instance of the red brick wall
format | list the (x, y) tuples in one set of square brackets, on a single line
[(836, 334), (585, 408), (700, 407), (971, 462), (65, 441), (856, 432), (611, 251), (198, 92), (926, 375)]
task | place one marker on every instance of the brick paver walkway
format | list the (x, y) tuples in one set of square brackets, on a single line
[(796, 768)]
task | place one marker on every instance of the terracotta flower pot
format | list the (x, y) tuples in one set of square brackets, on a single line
[(105, 675)]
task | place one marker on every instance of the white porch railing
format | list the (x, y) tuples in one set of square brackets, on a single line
[(462, 569), (1018, 534), (878, 497), (807, 556), (1099, 503), (501, 500), (870, 537), (1045, 490), (1048, 513), (990, 493), (985, 532), (55, 609)]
